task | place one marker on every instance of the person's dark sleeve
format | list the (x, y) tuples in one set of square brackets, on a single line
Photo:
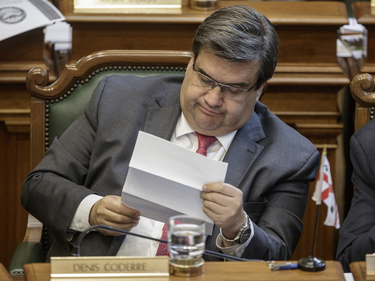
[(357, 234), (279, 226), (54, 189)]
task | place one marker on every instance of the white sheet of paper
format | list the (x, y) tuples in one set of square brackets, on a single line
[(18, 16), (165, 179)]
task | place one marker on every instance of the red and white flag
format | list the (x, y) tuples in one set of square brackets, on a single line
[(324, 191)]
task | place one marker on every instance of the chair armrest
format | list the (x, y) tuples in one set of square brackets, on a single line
[(30, 250), (26, 252)]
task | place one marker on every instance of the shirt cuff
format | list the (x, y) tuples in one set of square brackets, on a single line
[(80, 221), (235, 250)]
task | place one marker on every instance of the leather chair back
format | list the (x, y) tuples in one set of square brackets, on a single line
[(54, 107)]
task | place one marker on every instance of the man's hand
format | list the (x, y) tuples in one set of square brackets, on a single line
[(111, 212), (222, 202)]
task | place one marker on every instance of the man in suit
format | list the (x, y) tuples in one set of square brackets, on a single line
[(257, 211), (357, 234)]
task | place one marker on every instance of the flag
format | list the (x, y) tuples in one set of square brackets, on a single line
[(324, 191)]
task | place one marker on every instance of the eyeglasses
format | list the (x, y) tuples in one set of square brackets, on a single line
[(208, 83)]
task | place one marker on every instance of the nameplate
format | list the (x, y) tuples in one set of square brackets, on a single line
[(370, 266), (104, 268), (127, 6)]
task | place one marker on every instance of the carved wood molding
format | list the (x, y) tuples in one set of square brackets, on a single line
[(362, 88), (37, 78)]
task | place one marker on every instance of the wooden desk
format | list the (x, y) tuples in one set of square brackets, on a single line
[(226, 271), (4, 275), (358, 270)]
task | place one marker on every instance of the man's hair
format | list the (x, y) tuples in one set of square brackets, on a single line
[(239, 33)]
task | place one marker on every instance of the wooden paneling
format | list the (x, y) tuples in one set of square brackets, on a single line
[(297, 23), (14, 166), (24, 52), (366, 15)]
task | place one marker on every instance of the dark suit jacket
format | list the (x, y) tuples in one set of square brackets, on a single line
[(357, 234), (268, 160)]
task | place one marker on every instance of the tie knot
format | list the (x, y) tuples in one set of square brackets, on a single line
[(204, 142)]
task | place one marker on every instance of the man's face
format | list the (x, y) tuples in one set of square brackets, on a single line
[(211, 111)]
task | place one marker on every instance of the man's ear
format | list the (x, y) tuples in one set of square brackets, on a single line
[(190, 64), (261, 91)]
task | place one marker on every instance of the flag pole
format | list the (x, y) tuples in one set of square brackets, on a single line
[(316, 229), (318, 203), (311, 263)]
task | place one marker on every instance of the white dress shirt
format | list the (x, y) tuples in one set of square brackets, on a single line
[(184, 136)]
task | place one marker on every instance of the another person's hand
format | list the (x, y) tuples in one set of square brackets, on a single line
[(223, 203), (110, 211)]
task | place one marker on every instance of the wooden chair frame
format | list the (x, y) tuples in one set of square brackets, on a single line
[(361, 88), (80, 73)]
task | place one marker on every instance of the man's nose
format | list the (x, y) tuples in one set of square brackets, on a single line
[(214, 97)]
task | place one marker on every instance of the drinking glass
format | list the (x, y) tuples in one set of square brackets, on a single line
[(186, 244)]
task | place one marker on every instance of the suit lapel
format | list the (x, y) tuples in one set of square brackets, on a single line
[(244, 150), (162, 117)]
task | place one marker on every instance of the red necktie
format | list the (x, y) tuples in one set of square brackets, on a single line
[(204, 142), (163, 247)]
